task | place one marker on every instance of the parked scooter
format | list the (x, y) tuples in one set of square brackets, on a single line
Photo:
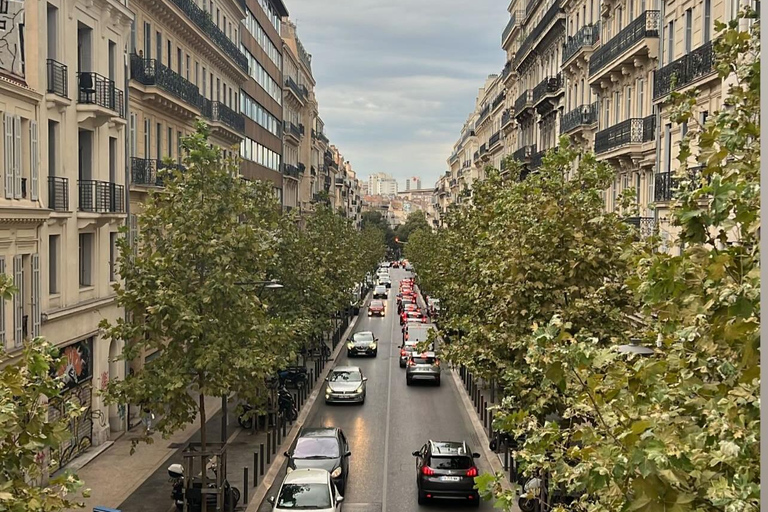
[(286, 406), (194, 496), (294, 376)]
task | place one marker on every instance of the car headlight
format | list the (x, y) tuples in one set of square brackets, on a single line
[(350, 345), (359, 389), (373, 346), (289, 470), (336, 472), (328, 390)]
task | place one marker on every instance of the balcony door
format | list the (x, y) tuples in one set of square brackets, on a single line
[(85, 155), (147, 40)]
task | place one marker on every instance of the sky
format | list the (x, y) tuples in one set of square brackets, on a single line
[(396, 79)]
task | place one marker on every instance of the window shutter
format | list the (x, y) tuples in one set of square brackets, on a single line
[(134, 233), (34, 160), (17, 157), (35, 295), (18, 301), (8, 152), (2, 308)]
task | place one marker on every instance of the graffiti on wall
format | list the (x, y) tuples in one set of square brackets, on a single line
[(12, 37)]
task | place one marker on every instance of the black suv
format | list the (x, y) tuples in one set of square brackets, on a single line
[(322, 448), (446, 469)]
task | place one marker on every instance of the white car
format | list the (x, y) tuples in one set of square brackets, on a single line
[(307, 489)]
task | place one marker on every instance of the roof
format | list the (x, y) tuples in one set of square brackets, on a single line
[(319, 431), (306, 476), (365, 333), (449, 448), (346, 369)]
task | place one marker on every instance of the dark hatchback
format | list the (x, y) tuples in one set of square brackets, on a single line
[(446, 469), (322, 448)]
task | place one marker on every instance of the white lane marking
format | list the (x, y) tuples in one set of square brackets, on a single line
[(386, 430)]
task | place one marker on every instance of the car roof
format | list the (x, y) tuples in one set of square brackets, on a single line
[(377, 301), (347, 369), (427, 327), (380, 286), (318, 432), (369, 333), (425, 354), (448, 448), (307, 476)]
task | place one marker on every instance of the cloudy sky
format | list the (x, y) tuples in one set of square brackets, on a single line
[(396, 79)]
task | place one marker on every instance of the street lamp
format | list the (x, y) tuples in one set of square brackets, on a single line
[(272, 284)]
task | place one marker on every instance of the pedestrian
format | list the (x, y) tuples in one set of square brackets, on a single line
[(148, 420)]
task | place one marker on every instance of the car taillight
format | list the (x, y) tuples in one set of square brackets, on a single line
[(472, 471), (427, 471), (402, 352), (411, 363)]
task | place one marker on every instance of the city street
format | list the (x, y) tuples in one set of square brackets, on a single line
[(394, 421)]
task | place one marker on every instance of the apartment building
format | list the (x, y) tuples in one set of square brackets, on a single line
[(487, 124), (320, 166)]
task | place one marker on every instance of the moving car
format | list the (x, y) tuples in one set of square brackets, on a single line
[(405, 352), (345, 384), (385, 280), (376, 308), (415, 316), (363, 342), (321, 448), (419, 332), (446, 469), (409, 267), (380, 292), (424, 366), (307, 489)]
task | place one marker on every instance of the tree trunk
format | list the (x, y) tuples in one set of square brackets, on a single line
[(203, 462), (203, 439)]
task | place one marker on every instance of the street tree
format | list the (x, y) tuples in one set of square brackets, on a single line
[(189, 290)]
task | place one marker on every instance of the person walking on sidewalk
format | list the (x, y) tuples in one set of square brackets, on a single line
[(148, 419)]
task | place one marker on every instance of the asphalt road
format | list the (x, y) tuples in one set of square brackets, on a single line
[(394, 421)]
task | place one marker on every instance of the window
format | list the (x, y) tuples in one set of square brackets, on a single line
[(617, 102), (179, 61), (188, 65), (668, 147), (607, 118), (53, 263), (158, 141), (147, 40), (733, 9), (262, 78), (159, 45), (86, 259), (170, 141), (112, 256), (671, 41), (707, 20), (640, 96), (12, 146), (147, 130), (688, 29), (134, 120), (628, 95), (197, 73), (203, 89), (683, 130), (170, 47)]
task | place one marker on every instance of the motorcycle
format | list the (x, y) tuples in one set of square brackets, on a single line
[(286, 406), (295, 376), (194, 496)]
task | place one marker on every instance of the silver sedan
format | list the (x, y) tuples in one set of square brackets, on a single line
[(345, 384)]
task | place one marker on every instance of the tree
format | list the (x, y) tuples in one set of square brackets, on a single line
[(26, 387), (189, 291), (415, 220), (375, 219)]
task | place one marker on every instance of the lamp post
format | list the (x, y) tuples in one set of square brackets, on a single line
[(265, 285)]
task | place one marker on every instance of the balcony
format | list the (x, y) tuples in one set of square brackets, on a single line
[(524, 154), (302, 168), (327, 182), (523, 103), (586, 37), (205, 22), (498, 100), (494, 140), (100, 92), (539, 31), (291, 171), (644, 26), (151, 73), (101, 197), (299, 91), (58, 193), (584, 115), (631, 131), (506, 118), (644, 225), (551, 86), (57, 78), (467, 164), (220, 113), (684, 71), (667, 183), (292, 130), (340, 182), (515, 20), (483, 114), (144, 172)]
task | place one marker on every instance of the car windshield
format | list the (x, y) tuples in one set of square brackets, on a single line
[(450, 463), (365, 336), (424, 360), (414, 313), (316, 448), (346, 376), (380, 289), (304, 497), (374, 304)]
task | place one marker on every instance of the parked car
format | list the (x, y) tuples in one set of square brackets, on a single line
[(376, 308), (419, 332), (345, 384), (424, 366), (363, 342), (405, 352), (446, 469), (322, 448), (380, 292), (307, 489)]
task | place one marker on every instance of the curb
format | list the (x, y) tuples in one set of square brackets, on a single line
[(260, 492), (482, 435)]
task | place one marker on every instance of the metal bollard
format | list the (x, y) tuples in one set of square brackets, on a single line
[(245, 484), (312, 376), (269, 447), (506, 456), (274, 438), (284, 422), (493, 391), (278, 431), (490, 423), (485, 412), (255, 469), (262, 452)]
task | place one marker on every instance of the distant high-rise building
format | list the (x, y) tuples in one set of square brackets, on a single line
[(382, 184), (413, 183)]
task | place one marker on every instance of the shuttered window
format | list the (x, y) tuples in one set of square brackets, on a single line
[(8, 154), (34, 161), (18, 301), (35, 295)]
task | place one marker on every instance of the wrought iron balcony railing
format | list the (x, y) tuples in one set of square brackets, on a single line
[(205, 22), (547, 87), (524, 101), (688, 68), (495, 138), (144, 171), (506, 117), (298, 90), (58, 193), (538, 30), (645, 25), (587, 35), (291, 170), (506, 70), (221, 112), (524, 153), (302, 168), (515, 20), (101, 197), (645, 225), (292, 129), (497, 100), (95, 89), (57, 78), (583, 115), (152, 72), (667, 183), (631, 131), (484, 113), (483, 149)]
